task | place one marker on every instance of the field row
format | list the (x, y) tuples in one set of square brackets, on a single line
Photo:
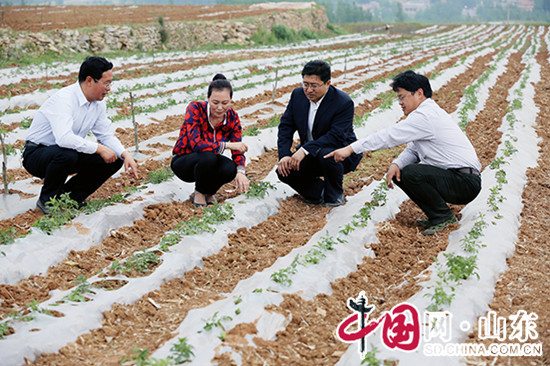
[(277, 268)]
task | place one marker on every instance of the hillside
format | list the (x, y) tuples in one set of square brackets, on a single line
[(41, 18)]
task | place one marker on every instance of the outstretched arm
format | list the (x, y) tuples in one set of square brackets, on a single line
[(340, 154)]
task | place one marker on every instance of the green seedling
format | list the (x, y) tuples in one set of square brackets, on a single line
[(139, 262), (212, 215), (139, 358), (4, 329), (274, 121), (252, 131), (259, 190), (347, 229), (313, 256), (63, 210), (469, 242), (461, 268), (509, 148), (371, 359), (84, 287), (148, 109), (25, 123), (8, 236), (160, 175), (181, 351), (497, 163), (33, 307), (215, 322), (501, 177), (195, 226), (283, 275), (96, 205), (170, 239), (217, 214), (440, 297)]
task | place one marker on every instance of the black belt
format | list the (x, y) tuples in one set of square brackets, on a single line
[(467, 171), (30, 144)]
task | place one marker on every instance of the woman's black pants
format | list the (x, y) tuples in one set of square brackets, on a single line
[(207, 169)]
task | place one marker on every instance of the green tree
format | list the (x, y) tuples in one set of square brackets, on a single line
[(399, 15)]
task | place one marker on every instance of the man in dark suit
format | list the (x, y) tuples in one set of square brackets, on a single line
[(323, 117)]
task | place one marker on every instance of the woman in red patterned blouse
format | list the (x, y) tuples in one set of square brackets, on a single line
[(208, 130)]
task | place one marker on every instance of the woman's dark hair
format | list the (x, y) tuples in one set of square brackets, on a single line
[(411, 81), (319, 68), (93, 66), (219, 82)]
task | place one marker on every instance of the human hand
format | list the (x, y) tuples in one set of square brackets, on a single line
[(340, 154), (130, 165), (242, 182), (238, 146), (107, 154), (297, 158), (393, 171), (284, 167)]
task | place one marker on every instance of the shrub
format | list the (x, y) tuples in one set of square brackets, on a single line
[(283, 33)]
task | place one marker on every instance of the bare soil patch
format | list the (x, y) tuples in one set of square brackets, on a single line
[(40, 18)]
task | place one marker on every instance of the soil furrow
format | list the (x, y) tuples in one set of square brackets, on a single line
[(123, 242), (524, 285)]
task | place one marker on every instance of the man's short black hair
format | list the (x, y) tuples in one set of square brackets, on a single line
[(411, 81), (93, 66), (319, 68)]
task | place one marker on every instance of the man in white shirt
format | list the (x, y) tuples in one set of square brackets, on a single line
[(439, 164), (323, 117), (56, 144)]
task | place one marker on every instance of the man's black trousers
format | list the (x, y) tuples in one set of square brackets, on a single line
[(54, 164), (318, 179), (432, 187)]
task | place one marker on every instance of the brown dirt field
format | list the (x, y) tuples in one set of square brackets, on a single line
[(42, 18), (250, 250)]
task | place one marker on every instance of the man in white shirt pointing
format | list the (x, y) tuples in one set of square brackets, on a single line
[(439, 164), (56, 144)]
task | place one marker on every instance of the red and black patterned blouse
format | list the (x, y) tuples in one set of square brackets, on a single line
[(196, 133)]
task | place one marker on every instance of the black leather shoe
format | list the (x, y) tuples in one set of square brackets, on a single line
[(43, 207), (315, 202), (339, 201)]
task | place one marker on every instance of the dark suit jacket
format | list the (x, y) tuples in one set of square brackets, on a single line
[(332, 128)]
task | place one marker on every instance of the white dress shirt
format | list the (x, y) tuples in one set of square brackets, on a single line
[(433, 138), (66, 118), (311, 116)]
